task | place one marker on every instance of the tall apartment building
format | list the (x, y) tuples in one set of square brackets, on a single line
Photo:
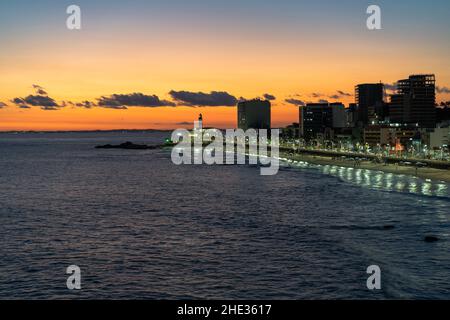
[(254, 114), (369, 98), (315, 118), (414, 102)]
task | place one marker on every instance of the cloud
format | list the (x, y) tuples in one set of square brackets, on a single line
[(442, 89), (17, 100), (344, 94), (323, 101), (340, 94), (39, 90), (50, 108), (119, 101), (200, 99), (115, 107), (84, 104), (184, 123), (316, 95), (44, 102), (269, 97), (40, 99), (2, 105), (296, 102)]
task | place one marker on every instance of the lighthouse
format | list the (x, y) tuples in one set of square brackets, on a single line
[(200, 121), (198, 125)]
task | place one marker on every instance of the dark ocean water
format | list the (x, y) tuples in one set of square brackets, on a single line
[(140, 227)]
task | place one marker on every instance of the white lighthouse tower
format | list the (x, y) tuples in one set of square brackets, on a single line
[(200, 121)]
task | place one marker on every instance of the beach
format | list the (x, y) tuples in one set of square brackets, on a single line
[(424, 173)]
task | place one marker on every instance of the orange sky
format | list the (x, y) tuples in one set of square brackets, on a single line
[(85, 65)]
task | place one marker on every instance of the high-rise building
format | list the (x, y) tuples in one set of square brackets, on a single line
[(316, 118), (414, 101), (369, 99), (339, 115), (254, 114), (352, 115)]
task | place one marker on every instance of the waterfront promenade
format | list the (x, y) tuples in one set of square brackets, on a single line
[(422, 168)]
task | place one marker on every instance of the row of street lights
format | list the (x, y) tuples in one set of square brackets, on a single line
[(416, 151)]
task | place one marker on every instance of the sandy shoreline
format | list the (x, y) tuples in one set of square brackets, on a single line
[(424, 173)]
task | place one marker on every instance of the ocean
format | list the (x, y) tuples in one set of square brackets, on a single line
[(140, 227)]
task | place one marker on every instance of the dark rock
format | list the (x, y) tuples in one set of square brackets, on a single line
[(127, 145), (431, 239)]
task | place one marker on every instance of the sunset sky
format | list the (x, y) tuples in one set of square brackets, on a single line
[(158, 64)]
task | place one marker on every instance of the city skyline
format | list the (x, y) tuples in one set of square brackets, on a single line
[(161, 65)]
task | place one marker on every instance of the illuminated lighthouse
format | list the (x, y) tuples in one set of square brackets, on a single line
[(198, 126), (200, 121)]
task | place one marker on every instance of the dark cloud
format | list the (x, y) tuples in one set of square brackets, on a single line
[(17, 101), (269, 97), (323, 101), (184, 123), (69, 103), (200, 99), (50, 108), (40, 99), (44, 102), (115, 107), (243, 99), (316, 95), (296, 102), (2, 105), (118, 101), (39, 90), (340, 94), (344, 94), (85, 104), (442, 89)]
